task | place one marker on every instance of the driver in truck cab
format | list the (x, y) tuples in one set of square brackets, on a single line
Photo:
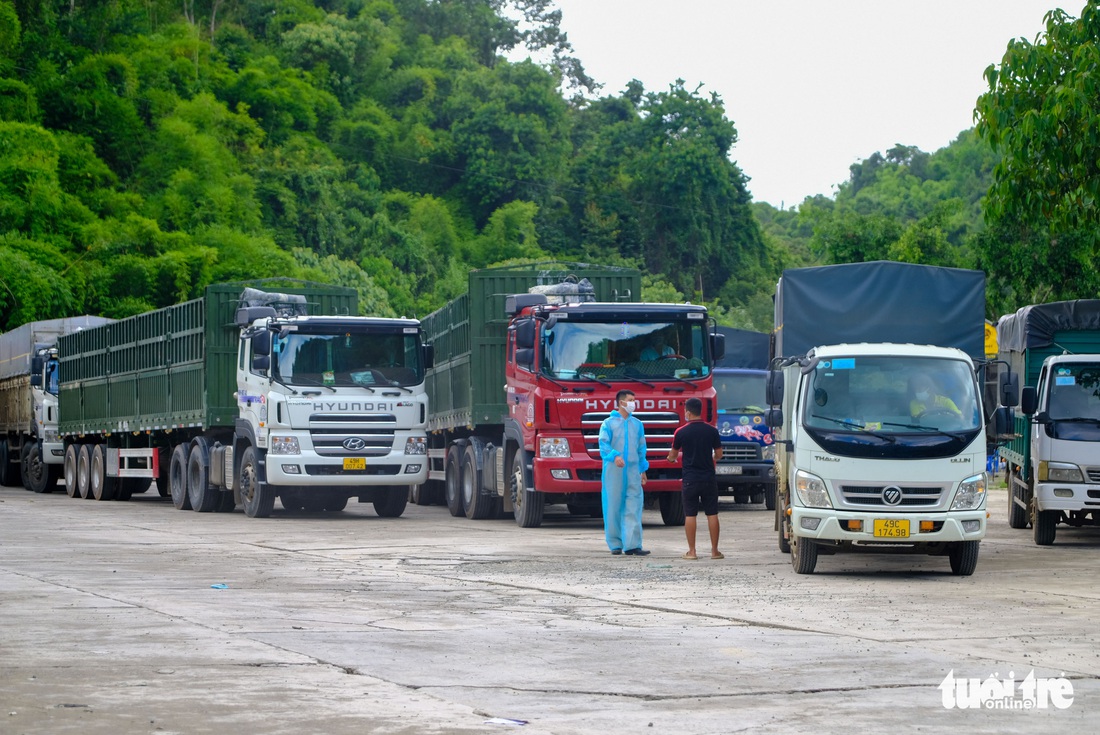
[(924, 398)]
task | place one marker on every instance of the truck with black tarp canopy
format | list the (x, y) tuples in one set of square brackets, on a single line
[(1053, 461)]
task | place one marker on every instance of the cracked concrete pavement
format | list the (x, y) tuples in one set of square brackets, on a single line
[(346, 622)]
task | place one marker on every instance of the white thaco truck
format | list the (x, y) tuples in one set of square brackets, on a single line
[(881, 426)]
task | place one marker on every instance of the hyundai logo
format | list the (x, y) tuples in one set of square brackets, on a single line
[(891, 495), (354, 444)]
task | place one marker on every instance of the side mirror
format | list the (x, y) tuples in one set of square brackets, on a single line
[(773, 417), (1009, 384), (261, 363), (429, 355), (717, 345), (525, 335), (773, 392), (37, 363), (36, 379), (1029, 400), (525, 358), (261, 344)]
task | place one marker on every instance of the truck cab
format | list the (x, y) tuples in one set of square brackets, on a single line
[(747, 468)]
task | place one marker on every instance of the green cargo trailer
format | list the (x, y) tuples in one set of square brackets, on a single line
[(466, 388), (1053, 459), (245, 395)]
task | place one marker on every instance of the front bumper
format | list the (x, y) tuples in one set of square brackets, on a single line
[(1047, 498), (53, 452), (308, 468), (832, 525), (582, 474)]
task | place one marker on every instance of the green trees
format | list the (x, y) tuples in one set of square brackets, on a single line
[(1041, 114)]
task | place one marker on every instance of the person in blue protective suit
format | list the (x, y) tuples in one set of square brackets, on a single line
[(622, 448)]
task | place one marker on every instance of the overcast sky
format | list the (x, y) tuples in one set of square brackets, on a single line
[(812, 86)]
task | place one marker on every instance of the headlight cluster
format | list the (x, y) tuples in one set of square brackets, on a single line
[(51, 436), (767, 453), (285, 445), (971, 493), (811, 490), (1059, 472), (554, 447), (416, 445)]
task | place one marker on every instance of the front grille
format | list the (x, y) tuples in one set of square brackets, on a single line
[(329, 432), (659, 428), (335, 469), (871, 495), (736, 452), (1093, 473)]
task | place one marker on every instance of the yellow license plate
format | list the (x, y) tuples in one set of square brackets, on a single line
[(891, 528), (355, 463)]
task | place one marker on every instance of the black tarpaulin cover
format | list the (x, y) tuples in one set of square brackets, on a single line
[(744, 349), (1035, 326), (880, 301)]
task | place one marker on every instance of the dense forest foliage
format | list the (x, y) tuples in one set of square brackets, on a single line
[(149, 148)]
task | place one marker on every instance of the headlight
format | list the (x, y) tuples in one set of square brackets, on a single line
[(284, 445), (554, 447), (811, 490), (768, 453), (971, 493), (416, 445), (51, 436), (1059, 472)]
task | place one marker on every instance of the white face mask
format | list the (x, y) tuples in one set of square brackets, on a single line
[(923, 395), (630, 406)]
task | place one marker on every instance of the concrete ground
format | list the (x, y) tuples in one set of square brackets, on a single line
[(350, 623)]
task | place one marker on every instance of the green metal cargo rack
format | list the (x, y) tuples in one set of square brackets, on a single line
[(466, 386), (172, 368)]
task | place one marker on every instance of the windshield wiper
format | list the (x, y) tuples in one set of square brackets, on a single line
[(594, 379), (1082, 419), (682, 380), (631, 377), (280, 382), (319, 385), (858, 427), (936, 429), (748, 409)]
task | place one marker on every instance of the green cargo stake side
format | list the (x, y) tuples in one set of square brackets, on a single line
[(200, 396), (1053, 459), (528, 362)]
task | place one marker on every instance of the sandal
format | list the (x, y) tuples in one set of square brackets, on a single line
[(718, 555), (690, 556)]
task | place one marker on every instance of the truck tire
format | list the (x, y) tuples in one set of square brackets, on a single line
[(70, 471), (783, 528), (335, 501), (9, 470), (391, 501), (102, 487), (1017, 516), (84, 471), (804, 556), (769, 498), (204, 499), (478, 505), (1044, 526), (528, 506), (257, 497), (964, 558), (453, 481), (292, 500), (672, 508), (177, 477), (41, 477), (24, 465)]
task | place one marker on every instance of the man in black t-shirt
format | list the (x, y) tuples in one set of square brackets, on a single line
[(702, 447)]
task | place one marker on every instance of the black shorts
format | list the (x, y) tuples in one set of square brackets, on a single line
[(700, 494)]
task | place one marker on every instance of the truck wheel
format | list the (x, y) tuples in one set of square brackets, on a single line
[(803, 556), (84, 471), (177, 477), (24, 464), (478, 505), (70, 471), (391, 501), (528, 506), (964, 558), (769, 498), (783, 527), (102, 487), (335, 501), (204, 498), (672, 508), (291, 500), (9, 470), (127, 486), (258, 498), (757, 498), (39, 474), (1017, 516), (1044, 526), (453, 482), (164, 488)]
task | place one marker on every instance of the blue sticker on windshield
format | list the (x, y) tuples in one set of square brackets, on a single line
[(1065, 380), (844, 363)]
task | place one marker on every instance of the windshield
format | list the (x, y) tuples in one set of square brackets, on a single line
[(892, 395), (740, 392), (648, 350), (1074, 401), (51, 377), (363, 359)]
